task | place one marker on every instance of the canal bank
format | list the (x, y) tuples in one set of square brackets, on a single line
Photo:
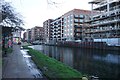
[(52, 68), (88, 45), (100, 63)]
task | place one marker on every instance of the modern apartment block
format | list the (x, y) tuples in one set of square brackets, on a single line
[(37, 33), (73, 24), (68, 27), (56, 30), (47, 29), (105, 26)]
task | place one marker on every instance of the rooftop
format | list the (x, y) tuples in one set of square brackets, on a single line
[(96, 1)]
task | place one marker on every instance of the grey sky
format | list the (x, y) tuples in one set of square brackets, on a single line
[(35, 12)]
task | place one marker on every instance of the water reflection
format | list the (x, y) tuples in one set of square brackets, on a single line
[(105, 64), (109, 58)]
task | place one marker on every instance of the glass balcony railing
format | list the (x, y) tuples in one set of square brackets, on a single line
[(115, 8), (105, 22)]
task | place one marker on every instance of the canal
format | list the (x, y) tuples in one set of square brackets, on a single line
[(104, 64)]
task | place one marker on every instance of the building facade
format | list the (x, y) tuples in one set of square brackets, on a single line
[(105, 26), (73, 24), (56, 30), (37, 34), (68, 27), (47, 30)]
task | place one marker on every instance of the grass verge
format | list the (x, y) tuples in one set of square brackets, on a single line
[(53, 68)]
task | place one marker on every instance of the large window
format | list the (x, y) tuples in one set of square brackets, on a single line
[(81, 20), (76, 15), (81, 16), (76, 20)]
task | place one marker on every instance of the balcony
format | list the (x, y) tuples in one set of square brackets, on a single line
[(77, 26), (59, 36), (78, 31), (105, 15), (78, 37), (104, 30), (106, 22), (78, 21), (59, 33), (114, 8), (76, 16), (55, 27)]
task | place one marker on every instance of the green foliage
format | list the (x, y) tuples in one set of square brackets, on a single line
[(51, 67)]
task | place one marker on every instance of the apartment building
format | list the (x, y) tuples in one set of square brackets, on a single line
[(68, 27), (47, 30), (105, 26), (56, 30), (73, 24), (37, 33)]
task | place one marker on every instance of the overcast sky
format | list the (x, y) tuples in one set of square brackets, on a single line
[(35, 12)]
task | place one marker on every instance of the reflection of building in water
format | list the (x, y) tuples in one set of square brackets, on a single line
[(109, 58), (68, 56), (92, 62), (55, 52), (105, 26), (60, 54), (82, 59), (97, 62)]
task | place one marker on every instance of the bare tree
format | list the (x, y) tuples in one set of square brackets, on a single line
[(9, 20), (9, 16)]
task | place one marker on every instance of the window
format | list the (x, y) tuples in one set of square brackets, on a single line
[(76, 24), (81, 20), (64, 24), (64, 19), (68, 30), (77, 29), (76, 20), (68, 17), (78, 34), (71, 17), (81, 16), (76, 15)]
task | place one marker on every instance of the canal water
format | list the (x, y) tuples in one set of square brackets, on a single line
[(104, 64)]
